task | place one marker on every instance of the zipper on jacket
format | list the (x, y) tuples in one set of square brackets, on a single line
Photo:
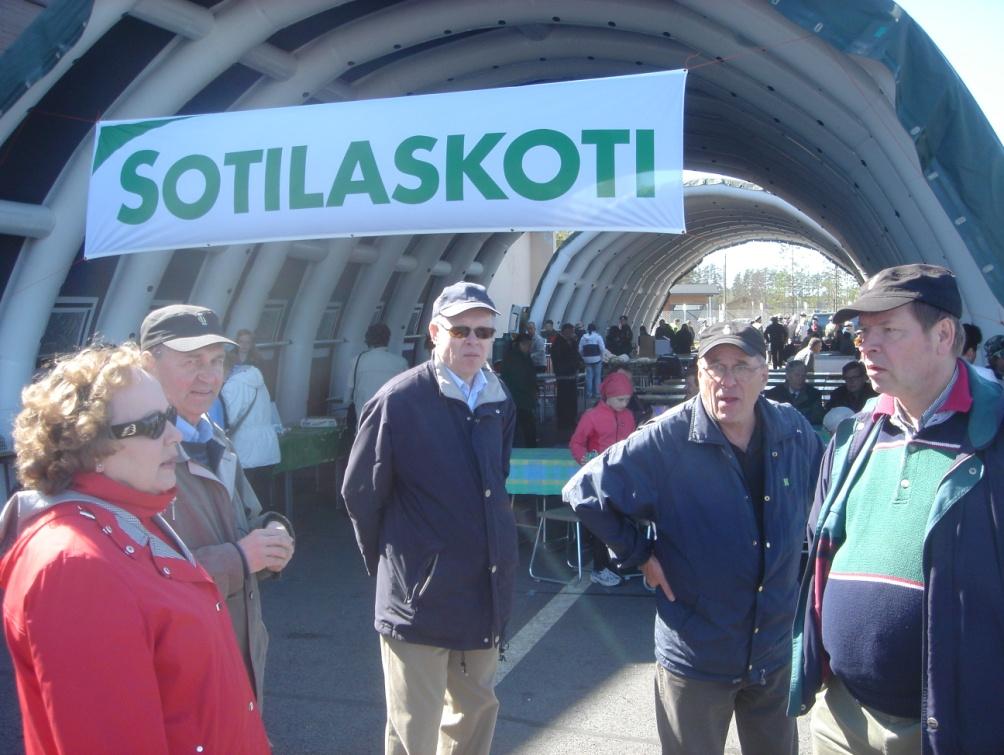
[(737, 468)]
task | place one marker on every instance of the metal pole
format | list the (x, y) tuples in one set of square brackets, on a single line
[(794, 302), (725, 285)]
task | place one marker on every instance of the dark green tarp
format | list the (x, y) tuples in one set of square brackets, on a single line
[(960, 154), (39, 47)]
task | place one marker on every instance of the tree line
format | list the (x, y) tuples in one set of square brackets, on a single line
[(777, 290)]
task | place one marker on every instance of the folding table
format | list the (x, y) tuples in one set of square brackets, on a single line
[(544, 472)]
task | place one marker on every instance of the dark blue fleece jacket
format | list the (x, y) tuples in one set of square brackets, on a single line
[(425, 488)]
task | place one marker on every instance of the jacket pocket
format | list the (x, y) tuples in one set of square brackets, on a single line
[(423, 582), (410, 578)]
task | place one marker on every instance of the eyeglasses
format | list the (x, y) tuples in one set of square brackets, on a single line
[(150, 426), (741, 372), (462, 331)]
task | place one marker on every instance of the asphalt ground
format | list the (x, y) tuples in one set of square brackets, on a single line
[(578, 676)]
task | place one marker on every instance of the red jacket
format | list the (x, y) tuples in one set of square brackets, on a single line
[(118, 645), (599, 429)]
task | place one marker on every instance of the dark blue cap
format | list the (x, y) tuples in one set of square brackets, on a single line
[(461, 297)]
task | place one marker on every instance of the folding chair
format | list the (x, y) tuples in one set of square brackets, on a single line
[(562, 514)]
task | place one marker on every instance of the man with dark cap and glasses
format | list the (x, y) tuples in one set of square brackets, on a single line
[(727, 479), (899, 644), (994, 351), (425, 488), (216, 513)]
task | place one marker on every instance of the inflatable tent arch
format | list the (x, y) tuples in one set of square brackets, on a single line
[(866, 143)]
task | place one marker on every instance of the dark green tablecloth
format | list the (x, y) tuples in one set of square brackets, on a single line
[(303, 447)]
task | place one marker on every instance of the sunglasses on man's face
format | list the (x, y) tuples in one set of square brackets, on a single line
[(462, 331), (150, 426)]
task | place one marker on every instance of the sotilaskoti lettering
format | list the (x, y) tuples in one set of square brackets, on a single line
[(425, 163)]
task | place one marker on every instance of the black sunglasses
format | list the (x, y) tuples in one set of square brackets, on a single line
[(462, 331), (151, 426)]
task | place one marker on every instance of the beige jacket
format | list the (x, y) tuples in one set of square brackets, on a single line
[(212, 512)]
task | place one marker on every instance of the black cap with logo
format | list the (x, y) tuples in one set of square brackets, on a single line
[(903, 284), (182, 327), (739, 334)]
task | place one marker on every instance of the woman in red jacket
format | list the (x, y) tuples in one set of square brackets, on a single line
[(606, 423), (119, 639)]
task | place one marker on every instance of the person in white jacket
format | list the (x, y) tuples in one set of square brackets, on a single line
[(249, 426), (591, 348), (373, 367)]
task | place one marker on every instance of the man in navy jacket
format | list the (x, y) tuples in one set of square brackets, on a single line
[(727, 479), (899, 644), (425, 488)]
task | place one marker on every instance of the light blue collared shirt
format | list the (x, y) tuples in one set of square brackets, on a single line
[(471, 392), (201, 433)]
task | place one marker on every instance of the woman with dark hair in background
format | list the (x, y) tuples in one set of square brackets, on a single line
[(565, 360), (247, 352), (612, 340), (520, 377), (373, 367), (120, 641)]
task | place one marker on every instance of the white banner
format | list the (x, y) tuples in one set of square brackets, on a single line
[(598, 154)]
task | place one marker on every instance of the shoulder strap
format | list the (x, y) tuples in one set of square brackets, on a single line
[(232, 429), (355, 374)]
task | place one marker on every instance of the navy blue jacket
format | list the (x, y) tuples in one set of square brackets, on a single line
[(425, 488), (680, 473), (962, 668)]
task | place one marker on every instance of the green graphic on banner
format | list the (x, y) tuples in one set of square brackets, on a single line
[(112, 138)]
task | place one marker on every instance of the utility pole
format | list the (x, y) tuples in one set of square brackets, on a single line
[(725, 285), (794, 302), (836, 284)]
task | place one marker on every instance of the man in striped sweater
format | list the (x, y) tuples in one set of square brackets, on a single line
[(900, 642)]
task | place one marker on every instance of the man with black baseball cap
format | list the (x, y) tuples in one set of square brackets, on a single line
[(216, 513), (899, 643), (993, 349), (776, 336), (425, 488), (726, 477)]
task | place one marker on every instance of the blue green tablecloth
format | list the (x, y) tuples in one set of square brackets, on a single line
[(539, 471)]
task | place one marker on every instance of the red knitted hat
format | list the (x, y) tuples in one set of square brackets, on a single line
[(616, 384)]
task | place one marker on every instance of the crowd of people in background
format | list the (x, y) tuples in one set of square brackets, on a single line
[(573, 349)]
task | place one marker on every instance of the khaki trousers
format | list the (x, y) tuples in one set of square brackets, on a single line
[(841, 725), (438, 701), (693, 715)]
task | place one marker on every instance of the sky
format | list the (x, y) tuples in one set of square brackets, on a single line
[(967, 32)]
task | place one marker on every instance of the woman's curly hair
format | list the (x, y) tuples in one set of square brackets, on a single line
[(63, 427)]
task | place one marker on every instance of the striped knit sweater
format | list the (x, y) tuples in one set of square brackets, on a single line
[(874, 597), (869, 573)]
